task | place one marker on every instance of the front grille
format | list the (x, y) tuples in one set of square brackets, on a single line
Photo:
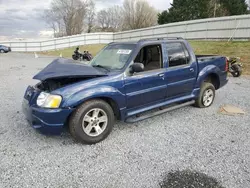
[(29, 93)]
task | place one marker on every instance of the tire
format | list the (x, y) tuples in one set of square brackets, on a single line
[(86, 58), (75, 57), (207, 89), (237, 71), (2, 51), (87, 131)]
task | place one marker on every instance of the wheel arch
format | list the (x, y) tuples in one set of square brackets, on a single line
[(108, 100), (113, 105), (209, 74), (213, 79)]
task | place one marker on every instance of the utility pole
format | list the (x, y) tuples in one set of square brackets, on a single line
[(215, 7)]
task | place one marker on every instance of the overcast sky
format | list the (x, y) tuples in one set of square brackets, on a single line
[(23, 18)]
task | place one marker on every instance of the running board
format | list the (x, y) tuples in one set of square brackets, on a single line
[(137, 117)]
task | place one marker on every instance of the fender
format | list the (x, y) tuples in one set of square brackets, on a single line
[(96, 92), (210, 69)]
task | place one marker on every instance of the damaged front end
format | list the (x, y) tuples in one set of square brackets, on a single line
[(57, 83), (62, 72), (42, 103)]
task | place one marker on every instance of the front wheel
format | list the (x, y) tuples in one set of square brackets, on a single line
[(2, 51), (92, 122), (206, 96)]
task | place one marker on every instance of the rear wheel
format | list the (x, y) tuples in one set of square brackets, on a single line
[(237, 71), (206, 96), (2, 51), (92, 122), (75, 57)]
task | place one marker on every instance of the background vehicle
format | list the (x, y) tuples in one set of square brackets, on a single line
[(85, 56), (125, 81), (235, 67), (4, 49)]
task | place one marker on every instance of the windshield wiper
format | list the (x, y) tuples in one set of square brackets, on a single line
[(107, 69)]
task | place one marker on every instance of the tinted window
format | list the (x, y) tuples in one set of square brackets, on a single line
[(177, 54)]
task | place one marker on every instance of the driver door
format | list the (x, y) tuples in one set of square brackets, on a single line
[(147, 87)]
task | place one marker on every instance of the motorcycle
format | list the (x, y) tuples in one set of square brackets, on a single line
[(89, 55), (85, 56), (235, 66)]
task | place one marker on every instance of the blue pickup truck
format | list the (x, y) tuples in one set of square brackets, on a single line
[(128, 81)]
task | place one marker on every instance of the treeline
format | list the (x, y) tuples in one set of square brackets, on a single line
[(183, 10), (71, 17)]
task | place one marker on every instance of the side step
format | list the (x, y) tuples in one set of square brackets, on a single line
[(149, 115)]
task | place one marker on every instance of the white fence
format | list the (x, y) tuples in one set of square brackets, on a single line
[(233, 27), (224, 28), (59, 43)]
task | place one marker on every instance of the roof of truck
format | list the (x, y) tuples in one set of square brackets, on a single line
[(150, 40)]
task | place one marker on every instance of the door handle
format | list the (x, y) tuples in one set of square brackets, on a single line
[(191, 69), (162, 76)]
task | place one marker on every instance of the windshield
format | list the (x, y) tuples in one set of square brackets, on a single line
[(113, 56)]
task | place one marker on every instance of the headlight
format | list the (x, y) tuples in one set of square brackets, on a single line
[(47, 100)]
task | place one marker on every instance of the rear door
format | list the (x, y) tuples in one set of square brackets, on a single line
[(181, 70)]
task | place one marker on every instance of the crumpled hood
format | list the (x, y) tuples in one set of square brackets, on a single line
[(61, 67)]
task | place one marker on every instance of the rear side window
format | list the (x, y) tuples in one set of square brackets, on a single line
[(177, 54)]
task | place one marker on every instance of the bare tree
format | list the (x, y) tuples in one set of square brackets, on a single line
[(110, 19), (67, 16), (103, 21), (138, 14), (115, 15), (91, 16), (54, 22)]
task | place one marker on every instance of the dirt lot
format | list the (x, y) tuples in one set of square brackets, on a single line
[(138, 155)]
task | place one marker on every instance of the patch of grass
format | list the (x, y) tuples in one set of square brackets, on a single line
[(230, 49), (68, 52), (224, 48)]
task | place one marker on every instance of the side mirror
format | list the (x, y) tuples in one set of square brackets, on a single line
[(136, 67), (174, 58)]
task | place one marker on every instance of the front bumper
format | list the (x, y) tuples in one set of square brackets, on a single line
[(47, 121)]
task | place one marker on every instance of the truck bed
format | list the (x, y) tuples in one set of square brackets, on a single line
[(202, 58), (205, 60)]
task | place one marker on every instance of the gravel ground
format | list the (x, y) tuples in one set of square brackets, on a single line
[(134, 155)]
